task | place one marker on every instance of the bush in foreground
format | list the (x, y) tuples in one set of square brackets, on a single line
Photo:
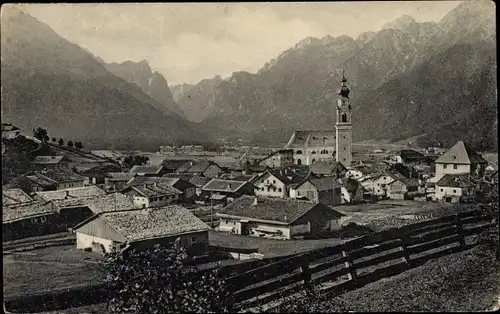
[(159, 281)]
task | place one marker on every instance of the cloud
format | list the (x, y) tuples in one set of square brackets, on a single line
[(188, 42)]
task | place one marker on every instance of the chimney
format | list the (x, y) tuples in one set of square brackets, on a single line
[(255, 201), (154, 183), (285, 218)]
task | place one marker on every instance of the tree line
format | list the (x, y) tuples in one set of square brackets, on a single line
[(43, 135)]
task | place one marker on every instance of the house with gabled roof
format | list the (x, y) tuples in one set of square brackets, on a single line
[(277, 218), (460, 159), (115, 181), (455, 188), (172, 165), (81, 192), (140, 229), (151, 171), (50, 162), (230, 188), (401, 189), (325, 190), (311, 146), (199, 182), (187, 188), (152, 195), (204, 168), (13, 197), (276, 182)]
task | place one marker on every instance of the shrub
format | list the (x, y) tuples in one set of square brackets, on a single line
[(159, 281)]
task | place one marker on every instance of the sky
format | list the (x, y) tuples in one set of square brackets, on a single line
[(188, 42)]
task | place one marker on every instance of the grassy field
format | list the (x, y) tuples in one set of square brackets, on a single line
[(464, 281), (49, 269)]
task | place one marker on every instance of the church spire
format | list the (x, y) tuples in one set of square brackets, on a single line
[(344, 90)]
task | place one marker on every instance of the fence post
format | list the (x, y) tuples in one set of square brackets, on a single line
[(460, 232), (404, 247), (348, 264), (306, 274)]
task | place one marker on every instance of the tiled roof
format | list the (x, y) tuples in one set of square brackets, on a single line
[(407, 182), (199, 181), (241, 177), (461, 153), (150, 180), (13, 213), (14, 197), (40, 179), (308, 139), (326, 167), (87, 191), (284, 175), (60, 175), (456, 180), (48, 160), (273, 209), (324, 184), (173, 164), (120, 176), (100, 203), (411, 154), (185, 166), (200, 167), (223, 185), (146, 169), (155, 190), (159, 222)]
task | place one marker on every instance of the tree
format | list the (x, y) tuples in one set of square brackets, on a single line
[(61, 142), (136, 160), (70, 143), (158, 280), (352, 187), (40, 133), (54, 140), (46, 138), (79, 145)]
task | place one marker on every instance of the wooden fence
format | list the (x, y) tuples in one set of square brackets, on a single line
[(359, 261)]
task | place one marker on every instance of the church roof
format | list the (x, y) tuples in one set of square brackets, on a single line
[(461, 153), (310, 139)]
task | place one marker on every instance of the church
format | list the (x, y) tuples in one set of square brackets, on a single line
[(311, 146)]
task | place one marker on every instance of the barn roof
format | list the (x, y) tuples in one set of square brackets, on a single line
[(15, 197), (456, 180), (146, 169), (224, 185), (25, 211), (136, 225), (271, 209), (87, 191)]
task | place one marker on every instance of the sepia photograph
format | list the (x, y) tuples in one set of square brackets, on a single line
[(250, 157)]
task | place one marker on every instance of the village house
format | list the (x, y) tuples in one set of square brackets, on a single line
[(50, 162), (64, 179), (97, 175), (238, 177), (172, 165), (325, 190), (460, 159), (401, 189), (29, 220), (148, 171), (311, 146), (188, 189), (456, 188), (152, 195), (116, 181), (410, 157), (382, 181), (277, 218), (368, 183), (328, 168), (167, 150), (352, 190), (13, 197), (204, 168), (142, 229), (199, 182), (276, 183), (229, 188), (279, 158)]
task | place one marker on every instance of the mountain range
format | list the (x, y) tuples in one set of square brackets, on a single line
[(48, 81), (409, 78)]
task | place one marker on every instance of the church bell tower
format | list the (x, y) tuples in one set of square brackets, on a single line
[(343, 126)]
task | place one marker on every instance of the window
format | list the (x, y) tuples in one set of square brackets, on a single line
[(298, 193), (279, 189), (343, 159), (441, 190), (324, 152), (43, 219), (445, 166), (313, 153), (274, 189), (299, 152), (268, 189), (193, 239), (343, 148), (454, 191), (455, 166), (225, 221), (344, 117), (343, 137), (274, 181)]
